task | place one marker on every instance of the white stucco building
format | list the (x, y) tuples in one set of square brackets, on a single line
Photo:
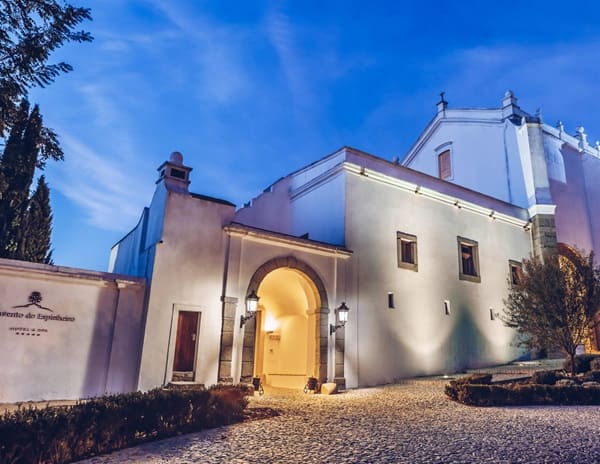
[(421, 252)]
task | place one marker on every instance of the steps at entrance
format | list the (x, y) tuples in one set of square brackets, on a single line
[(185, 386)]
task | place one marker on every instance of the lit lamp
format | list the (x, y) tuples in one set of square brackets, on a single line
[(251, 307), (342, 313)]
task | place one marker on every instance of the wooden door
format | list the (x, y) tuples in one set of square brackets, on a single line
[(185, 345)]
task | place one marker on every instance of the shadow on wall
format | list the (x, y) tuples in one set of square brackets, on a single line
[(114, 345), (96, 372), (467, 346)]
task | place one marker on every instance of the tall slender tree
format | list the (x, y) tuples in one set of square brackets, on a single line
[(35, 243), (19, 214), (30, 30), (18, 167)]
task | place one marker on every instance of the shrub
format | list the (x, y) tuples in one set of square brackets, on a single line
[(525, 394), (582, 362), (595, 364), (545, 377), (454, 388), (56, 435), (591, 376)]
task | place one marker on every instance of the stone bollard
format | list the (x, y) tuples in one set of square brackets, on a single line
[(328, 388)]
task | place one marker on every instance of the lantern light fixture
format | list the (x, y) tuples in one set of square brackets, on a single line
[(251, 307), (342, 314)]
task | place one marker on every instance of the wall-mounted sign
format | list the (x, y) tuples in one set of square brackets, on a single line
[(35, 313)]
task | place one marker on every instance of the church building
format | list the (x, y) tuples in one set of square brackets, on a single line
[(353, 269)]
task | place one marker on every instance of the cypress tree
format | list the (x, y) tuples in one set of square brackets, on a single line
[(17, 168), (35, 243)]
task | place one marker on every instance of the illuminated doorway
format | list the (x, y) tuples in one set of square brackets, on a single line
[(287, 329)]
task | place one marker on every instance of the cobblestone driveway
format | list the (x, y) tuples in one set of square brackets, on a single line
[(412, 422)]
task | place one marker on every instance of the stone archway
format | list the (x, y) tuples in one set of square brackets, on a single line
[(320, 316)]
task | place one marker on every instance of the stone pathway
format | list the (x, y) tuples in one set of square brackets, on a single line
[(411, 422)]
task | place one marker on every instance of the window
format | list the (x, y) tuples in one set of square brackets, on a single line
[(516, 272), (444, 165), (391, 300), (468, 260), (407, 251)]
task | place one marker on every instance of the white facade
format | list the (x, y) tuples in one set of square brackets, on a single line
[(328, 234), (422, 262), (534, 165)]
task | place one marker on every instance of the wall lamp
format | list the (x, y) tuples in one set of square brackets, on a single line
[(342, 312), (251, 307)]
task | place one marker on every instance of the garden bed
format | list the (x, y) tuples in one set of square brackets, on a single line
[(541, 388), (64, 434)]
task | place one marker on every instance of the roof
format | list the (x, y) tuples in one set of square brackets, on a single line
[(211, 199), (303, 242)]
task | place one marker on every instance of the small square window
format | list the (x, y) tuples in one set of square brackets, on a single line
[(516, 272), (407, 251), (468, 260), (444, 165)]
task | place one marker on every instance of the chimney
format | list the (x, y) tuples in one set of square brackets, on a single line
[(174, 174)]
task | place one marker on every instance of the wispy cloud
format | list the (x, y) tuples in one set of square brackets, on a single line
[(217, 50), (282, 36), (558, 77), (109, 197)]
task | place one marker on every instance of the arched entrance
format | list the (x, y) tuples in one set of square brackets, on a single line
[(288, 343), (286, 339)]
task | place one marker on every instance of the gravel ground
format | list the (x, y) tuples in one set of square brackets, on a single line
[(411, 422)]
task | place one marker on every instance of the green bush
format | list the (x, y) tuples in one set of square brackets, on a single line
[(524, 394), (591, 376), (455, 386), (582, 363), (545, 377), (56, 435), (595, 364)]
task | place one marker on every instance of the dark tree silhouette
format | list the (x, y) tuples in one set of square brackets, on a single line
[(24, 232), (30, 30), (554, 302), (35, 243)]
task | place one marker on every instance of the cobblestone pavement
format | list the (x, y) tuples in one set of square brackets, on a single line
[(411, 422)]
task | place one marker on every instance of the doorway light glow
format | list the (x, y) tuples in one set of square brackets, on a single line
[(270, 324)]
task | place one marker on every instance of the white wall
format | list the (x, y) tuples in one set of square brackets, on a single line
[(270, 210), (309, 200), (247, 255), (575, 188), (95, 351), (187, 275), (133, 254), (319, 211), (484, 152), (417, 338)]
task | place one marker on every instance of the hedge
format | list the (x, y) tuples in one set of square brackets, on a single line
[(56, 435), (521, 394), (582, 363)]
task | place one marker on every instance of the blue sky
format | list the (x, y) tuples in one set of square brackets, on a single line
[(249, 91)]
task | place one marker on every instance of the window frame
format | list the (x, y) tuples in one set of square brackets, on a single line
[(443, 151), (463, 241), (512, 263), (404, 237)]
